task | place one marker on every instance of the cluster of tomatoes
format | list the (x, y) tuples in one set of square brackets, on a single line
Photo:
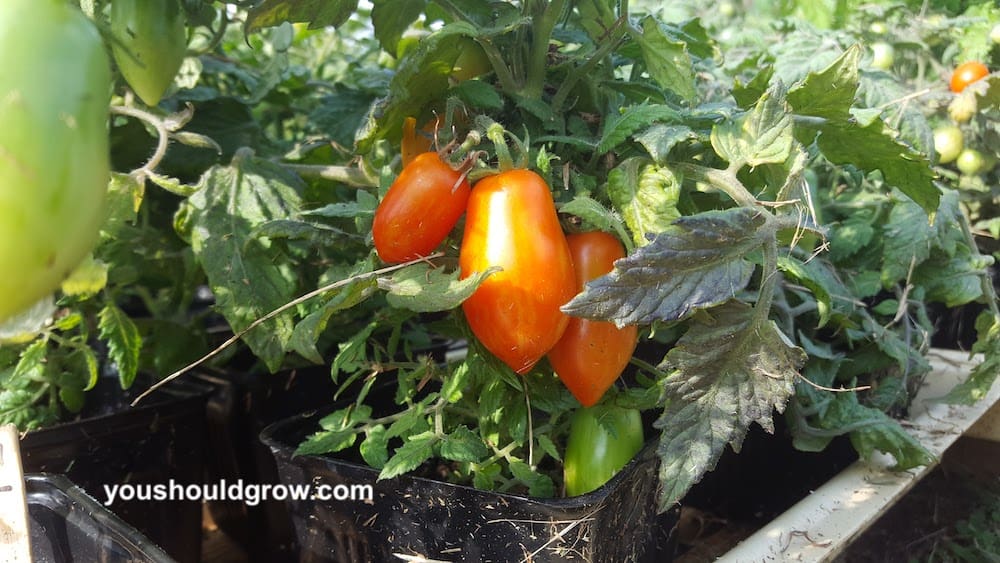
[(511, 226), (949, 140)]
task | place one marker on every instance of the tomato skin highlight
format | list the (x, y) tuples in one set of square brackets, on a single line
[(593, 454), (54, 156), (150, 44), (511, 222), (967, 73), (421, 207), (592, 354)]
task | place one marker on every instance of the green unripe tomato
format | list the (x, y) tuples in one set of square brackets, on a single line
[(471, 61), (883, 55), (602, 440), (727, 9), (54, 163), (878, 28), (970, 162), (962, 108), (995, 34), (948, 143), (150, 41)]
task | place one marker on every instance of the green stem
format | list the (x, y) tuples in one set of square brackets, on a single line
[(608, 46), (765, 296), (724, 180), (496, 134), (162, 137), (349, 175), (541, 33), (984, 278), (500, 68)]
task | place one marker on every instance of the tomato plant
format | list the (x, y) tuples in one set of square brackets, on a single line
[(150, 43), (591, 355), (512, 224), (602, 440), (54, 163), (421, 207), (948, 143), (967, 73)]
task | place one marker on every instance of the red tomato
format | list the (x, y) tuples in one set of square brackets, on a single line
[(592, 354), (420, 209), (967, 73), (512, 223)]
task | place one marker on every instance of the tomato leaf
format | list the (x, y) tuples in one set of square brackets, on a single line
[(327, 441), (123, 340), (244, 272), (619, 126), (660, 139), (463, 445), (984, 374), (646, 196), (667, 59), (727, 374), (310, 328), (802, 273), (539, 484), (425, 289), (596, 216), (393, 17), (698, 263), (414, 452), (319, 13), (375, 447), (761, 136)]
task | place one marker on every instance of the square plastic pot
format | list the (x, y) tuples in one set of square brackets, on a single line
[(160, 440), (68, 525), (414, 517)]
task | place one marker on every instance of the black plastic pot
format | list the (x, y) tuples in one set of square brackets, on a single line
[(240, 406), (418, 517), (68, 525), (159, 441)]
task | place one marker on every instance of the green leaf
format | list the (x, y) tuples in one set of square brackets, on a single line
[(424, 289), (700, 262), (463, 445), (89, 277), (121, 335), (620, 126), (393, 17), (478, 94), (727, 374), (667, 59), (327, 442), (455, 382), (907, 238), (539, 484), (595, 216), (802, 273), (850, 237), (984, 374), (414, 452), (761, 136), (877, 431), (352, 354), (375, 447), (318, 13), (646, 196), (660, 139), (308, 331), (829, 93), (248, 275)]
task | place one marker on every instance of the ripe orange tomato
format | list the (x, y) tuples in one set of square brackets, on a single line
[(592, 354), (421, 207), (967, 73), (512, 223)]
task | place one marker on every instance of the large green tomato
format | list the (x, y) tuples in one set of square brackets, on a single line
[(150, 43), (54, 92), (602, 440)]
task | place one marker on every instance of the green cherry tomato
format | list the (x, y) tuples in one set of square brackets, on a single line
[(995, 34), (54, 163), (963, 107), (883, 55), (150, 40), (471, 61), (970, 162), (948, 143), (878, 28), (602, 440)]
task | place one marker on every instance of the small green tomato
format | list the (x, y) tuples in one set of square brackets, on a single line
[(883, 55), (948, 143), (970, 162)]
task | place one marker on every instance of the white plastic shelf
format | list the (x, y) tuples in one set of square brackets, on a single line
[(822, 525)]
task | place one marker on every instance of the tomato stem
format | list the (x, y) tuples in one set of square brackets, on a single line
[(349, 175), (162, 134)]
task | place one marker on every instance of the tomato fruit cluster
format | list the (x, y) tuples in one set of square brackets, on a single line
[(54, 161), (150, 44), (592, 354), (421, 207), (602, 440), (512, 223)]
